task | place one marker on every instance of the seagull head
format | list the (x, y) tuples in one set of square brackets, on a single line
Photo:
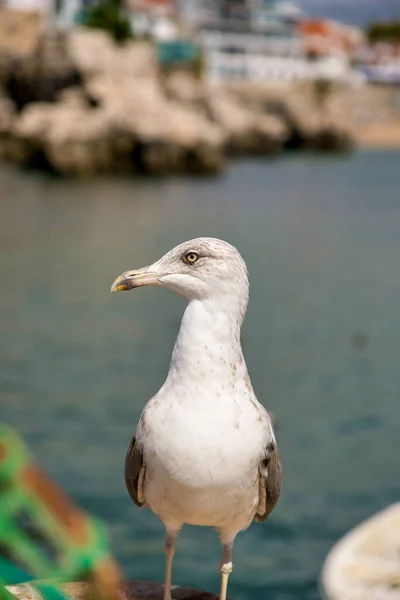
[(203, 268)]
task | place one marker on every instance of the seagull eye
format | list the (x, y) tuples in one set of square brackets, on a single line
[(191, 257)]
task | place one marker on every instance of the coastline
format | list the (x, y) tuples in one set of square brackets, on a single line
[(79, 104), (378, 137)]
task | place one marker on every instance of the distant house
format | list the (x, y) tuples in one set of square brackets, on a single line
[(247, 39), (155, 19), (324, 37), (26, 5), (60, 13), (257, 40), (379, 62), (152, 18)]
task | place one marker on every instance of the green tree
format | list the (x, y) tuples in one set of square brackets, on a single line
[(384, 31), (109, 16)]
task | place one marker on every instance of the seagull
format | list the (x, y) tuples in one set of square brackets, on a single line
[(204, 451)]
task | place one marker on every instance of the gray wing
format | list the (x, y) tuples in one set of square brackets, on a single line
[(135, 472), (270, 482)]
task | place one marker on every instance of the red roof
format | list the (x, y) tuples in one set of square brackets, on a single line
[(321, 35)]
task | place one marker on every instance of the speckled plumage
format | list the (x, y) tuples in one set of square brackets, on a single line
[(204, 451)]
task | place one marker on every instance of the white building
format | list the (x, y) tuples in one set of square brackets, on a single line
[(153, 19), (255, 40)]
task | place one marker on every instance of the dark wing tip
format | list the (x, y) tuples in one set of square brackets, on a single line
[(272, 482), (134, 469)]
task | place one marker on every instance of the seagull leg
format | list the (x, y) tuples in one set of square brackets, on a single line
[(226, 569), (169, 549)]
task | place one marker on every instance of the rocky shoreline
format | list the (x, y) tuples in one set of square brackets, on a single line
[(80, 105)]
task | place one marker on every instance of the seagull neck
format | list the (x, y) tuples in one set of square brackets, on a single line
[(208, 342)]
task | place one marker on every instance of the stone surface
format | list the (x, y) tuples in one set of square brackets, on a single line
[(92, 52), (40, 75), (19, 30), (185, 88), (74, 139), (7, 114), (248, 130), (7, 118), (310, 121), (133, 590), (70, 139)]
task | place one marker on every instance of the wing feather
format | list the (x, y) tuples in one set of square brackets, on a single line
[(270, 482), (135, 472)]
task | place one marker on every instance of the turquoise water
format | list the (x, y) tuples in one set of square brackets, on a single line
[(321, 237)]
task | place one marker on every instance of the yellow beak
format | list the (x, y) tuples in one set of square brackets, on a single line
[(133, 279)]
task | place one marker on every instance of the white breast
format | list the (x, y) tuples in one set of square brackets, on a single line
[(202, 458), (204, 434)]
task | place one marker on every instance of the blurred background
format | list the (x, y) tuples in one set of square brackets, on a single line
[(128, 128)]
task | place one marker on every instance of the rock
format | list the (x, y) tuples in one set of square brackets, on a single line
[(133, 590), (330, 138), (19, 30), (172, 137), (70, 140), (309, 131), (134, 129), (185, 88), (7, 115), (7, 118), (40, 76), (88, 105), (93, 51), (247, 131), (75, 97), (308, 124)]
